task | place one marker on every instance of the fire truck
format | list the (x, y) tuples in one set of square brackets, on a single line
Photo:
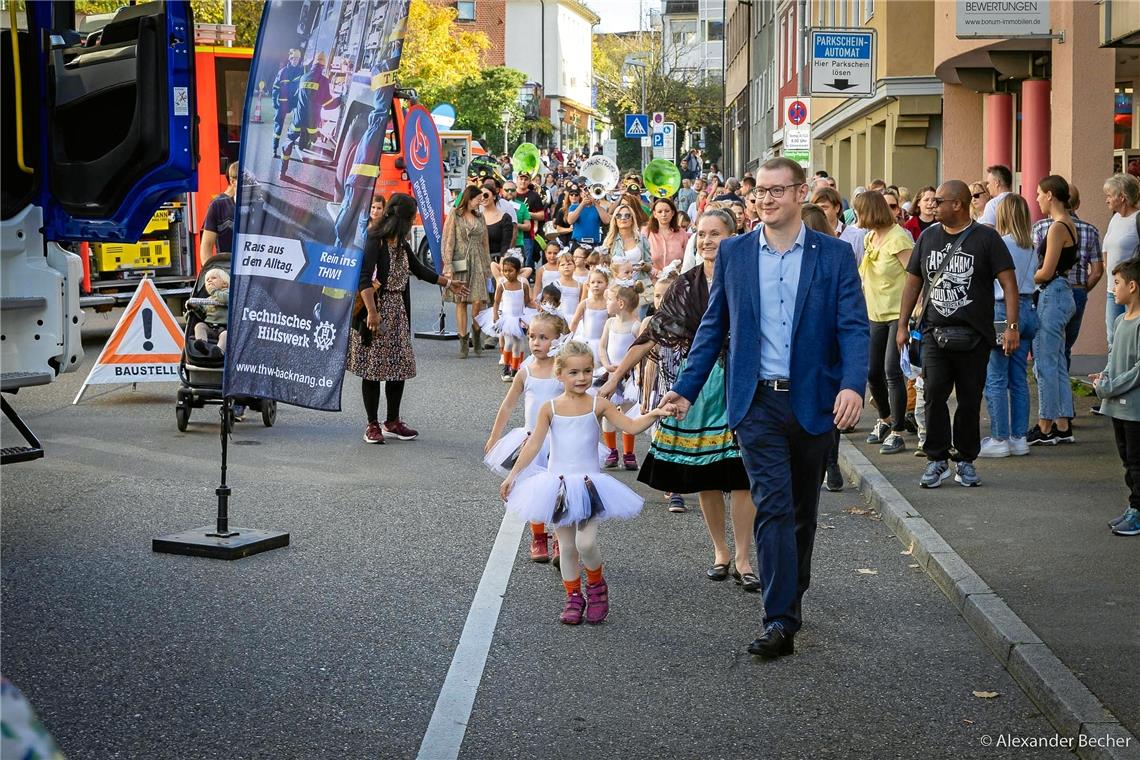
[(96, 138)]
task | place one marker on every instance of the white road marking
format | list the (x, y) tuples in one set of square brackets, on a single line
[(448, 723)]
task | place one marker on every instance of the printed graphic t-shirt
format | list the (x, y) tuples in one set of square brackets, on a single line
[(964, 295)]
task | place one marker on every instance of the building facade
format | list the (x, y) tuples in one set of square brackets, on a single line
[(551, 41), (692, 34)]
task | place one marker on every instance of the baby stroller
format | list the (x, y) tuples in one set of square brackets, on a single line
[(200, 372)]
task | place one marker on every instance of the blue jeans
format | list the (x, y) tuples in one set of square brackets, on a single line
[(1055, 307), (785, 466), (1007, 386), (1112, 310), (1073, 329)]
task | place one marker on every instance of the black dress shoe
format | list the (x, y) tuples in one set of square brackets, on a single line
[(774, 642), (748, 581), (718, 572)]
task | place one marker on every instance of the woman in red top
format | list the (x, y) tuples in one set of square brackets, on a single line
[(922, 212), (666, 239)]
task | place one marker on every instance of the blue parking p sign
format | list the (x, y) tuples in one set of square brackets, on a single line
[(658, 139), (636, 125)]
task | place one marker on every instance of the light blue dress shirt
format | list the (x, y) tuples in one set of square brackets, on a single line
[(779, 282)]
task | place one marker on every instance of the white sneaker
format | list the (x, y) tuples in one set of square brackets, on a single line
[(995, 448), (1018, 447)]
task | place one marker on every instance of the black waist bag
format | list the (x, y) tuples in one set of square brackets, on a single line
[(955, 338)]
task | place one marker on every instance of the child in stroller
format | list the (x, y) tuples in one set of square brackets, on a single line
[(213, 310)]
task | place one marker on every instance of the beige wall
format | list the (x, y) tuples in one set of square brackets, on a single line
[(905, 30), (889, 142), (962, 130)]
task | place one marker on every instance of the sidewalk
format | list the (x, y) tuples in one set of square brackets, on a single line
[(1036, 532)]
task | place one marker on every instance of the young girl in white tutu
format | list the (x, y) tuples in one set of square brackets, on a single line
[(590, 317), (505, 318), (618, 334), (572, 494), (570, 288), (536, 385)]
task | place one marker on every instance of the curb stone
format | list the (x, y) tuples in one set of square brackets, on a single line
[(1064, 700)]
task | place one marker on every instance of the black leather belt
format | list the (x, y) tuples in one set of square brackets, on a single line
[(781, 384)]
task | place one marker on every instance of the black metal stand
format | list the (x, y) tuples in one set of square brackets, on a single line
[(440, 333), (220, 541)]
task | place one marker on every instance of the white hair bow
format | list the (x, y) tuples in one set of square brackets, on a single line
[(629, 283), (669, 271), (549, 309), (557, 344)]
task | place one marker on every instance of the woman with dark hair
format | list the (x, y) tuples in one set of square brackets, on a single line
[(467, 259), (666, 239), (1056, 255), (380, 344), (697, 454)]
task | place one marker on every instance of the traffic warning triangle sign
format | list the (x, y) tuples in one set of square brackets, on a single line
[(145, 346)]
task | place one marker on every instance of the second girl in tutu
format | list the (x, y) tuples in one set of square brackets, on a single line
[(504, 320), (573, 494)]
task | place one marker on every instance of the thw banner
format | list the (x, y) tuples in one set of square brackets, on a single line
[(424, 159), (304, 194)]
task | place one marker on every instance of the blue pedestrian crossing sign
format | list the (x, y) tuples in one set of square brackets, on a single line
[(658, 139), (636, 125)]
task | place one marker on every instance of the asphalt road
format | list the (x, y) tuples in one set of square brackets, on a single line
[(337, 646)]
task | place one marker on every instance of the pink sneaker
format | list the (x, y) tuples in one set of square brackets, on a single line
[(555, 555), (572, 612), (399, 430), (538, 550), (629, 461), (611, 459), (373, 433), (598, 601)]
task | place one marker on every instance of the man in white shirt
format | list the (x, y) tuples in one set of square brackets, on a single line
[(999, 183)]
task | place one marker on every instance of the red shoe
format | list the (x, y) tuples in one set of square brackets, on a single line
[(538, 548), (572, 612), (611, 459), (598, 602), (373, 433), (399, 430), (629, 461), (556, 555)]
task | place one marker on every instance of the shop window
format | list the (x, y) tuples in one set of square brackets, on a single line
[(466, 9), (1122, 118)]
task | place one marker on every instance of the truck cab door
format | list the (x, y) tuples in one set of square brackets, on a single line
[(121, 132)]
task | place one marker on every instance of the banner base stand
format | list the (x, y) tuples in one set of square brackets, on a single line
[(220, 541), (205, 542), (437, 335)]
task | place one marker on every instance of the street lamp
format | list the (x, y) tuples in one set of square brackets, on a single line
[(506, 125), (561, 130), (640, 64)]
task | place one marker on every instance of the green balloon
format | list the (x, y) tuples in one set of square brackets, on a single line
[(662, 178)]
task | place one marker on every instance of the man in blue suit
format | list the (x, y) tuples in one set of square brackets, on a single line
[(790, 301)]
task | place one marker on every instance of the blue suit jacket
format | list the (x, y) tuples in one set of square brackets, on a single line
[(830, 332)]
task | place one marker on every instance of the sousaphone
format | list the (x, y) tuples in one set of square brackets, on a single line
[(601, 175), (662, 178)]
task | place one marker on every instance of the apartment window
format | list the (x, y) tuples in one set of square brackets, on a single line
[(714, 31), (868, 9), (466, 9)]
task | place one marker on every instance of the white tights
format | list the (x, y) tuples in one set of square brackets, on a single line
[(578, 547), (202, 332)]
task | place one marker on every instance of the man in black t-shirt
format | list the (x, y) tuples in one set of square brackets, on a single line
[(959, 310), (218, 226)]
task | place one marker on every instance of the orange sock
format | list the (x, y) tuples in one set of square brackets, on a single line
[(518, 360), (507, 358), (537, 529), (627, 443), (610, 439), (573, 587), (594, 577)]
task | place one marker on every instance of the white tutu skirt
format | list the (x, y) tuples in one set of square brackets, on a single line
[(539, 497), (507, 326), (627, 393), (501, 458)]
